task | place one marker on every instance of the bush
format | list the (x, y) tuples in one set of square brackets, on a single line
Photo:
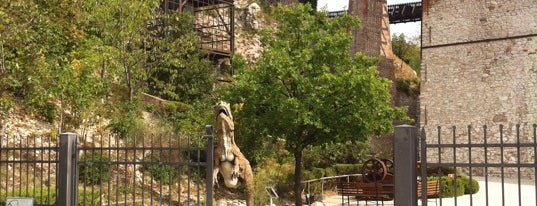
[(273, 174), (47, 196), (47, 111), (160, 170), (126, 125), (345, 169), (447, 187), (6, 104), (469, 187), (95, 168), (327, 155), (329, 172)]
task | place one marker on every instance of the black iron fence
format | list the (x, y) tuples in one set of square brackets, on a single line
[(498, 163), (105, 170), (27, 168), (451, 166)]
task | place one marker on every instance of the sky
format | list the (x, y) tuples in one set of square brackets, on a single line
[(411, 29)]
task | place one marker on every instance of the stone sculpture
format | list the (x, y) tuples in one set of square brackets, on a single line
[(229, 162)]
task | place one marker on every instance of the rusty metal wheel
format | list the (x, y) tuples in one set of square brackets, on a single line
[(389, 164), (374, 170)]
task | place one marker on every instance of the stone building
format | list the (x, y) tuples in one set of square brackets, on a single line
[(479, 67)]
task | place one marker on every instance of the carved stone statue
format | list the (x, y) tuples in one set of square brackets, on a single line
[(229, 162)]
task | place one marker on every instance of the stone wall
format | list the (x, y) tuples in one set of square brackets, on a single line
[(479, 67)]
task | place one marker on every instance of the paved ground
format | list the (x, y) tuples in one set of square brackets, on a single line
[(494, 198)]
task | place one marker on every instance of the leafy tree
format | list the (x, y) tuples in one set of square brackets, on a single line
[(39, 42), (178, 69), (117, 29), (307, 89), (313, 3), (407, 50)]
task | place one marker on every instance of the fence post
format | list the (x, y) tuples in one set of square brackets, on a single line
[(210, 164), (405, 159), (68, 173)]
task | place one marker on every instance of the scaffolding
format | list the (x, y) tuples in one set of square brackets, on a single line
[(214, 23)]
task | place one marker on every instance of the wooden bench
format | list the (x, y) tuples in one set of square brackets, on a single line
[(379, 191), (366, 191), (433, 188)]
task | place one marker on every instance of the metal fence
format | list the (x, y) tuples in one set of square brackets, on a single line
[(502, 160), (27, 168), (106, 170), (479, 166)]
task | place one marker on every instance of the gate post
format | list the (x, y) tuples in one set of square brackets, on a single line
[(405, 145), (67, 173), (210, 165)]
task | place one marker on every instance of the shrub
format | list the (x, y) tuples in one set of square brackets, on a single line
[(329, 172), (447, 187), (160, 170), (47, 111), (273, 174), (95, 168), (469, 187), (345, 169), (6, 105), (125, 125)]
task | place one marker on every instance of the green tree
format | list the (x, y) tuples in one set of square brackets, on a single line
[(313, 3), (117, 30), (308, 90), (407, 50), (178, 69), (38, 46)]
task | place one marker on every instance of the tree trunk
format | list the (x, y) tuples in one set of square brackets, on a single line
[(298, 177)]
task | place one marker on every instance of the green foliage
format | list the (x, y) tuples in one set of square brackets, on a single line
[(307, 89), (470, 187), (448, 187), (329, 154), (127, 121), (178, 69), (164, 173), (408, 86), (96, 168), (345, 169), (273, 174), (47, 196), (6, 104), (408, 51), (161, 170), (170, 108), (66, 60), (313, 3), (47, 110)]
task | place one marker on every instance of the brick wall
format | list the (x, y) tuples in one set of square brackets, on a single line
[(479, 67)]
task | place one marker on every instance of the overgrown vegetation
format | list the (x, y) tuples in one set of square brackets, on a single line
[(408, 50), (408, 86), (162, 171), (95, 168), (72, 62)]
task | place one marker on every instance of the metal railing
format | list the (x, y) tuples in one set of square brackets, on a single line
[(99, 170), (504, 154)]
